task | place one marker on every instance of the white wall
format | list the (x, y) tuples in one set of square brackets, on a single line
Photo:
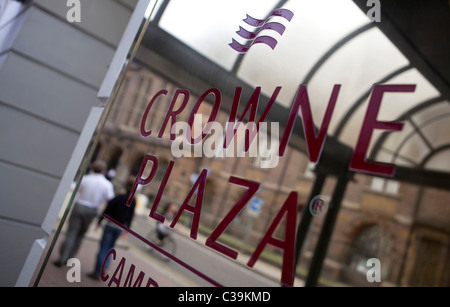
[(50, 73)]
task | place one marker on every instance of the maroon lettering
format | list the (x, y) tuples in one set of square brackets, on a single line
[(314, 141), (358, 162), (147, 110), (212, 117), (211, 240), (151, 282), (113, 253), (129, 278), (199, 185), (253, 103), (119, 271), (139, 179), (314, 138), (288, 245), (153, 212), (171, 113)]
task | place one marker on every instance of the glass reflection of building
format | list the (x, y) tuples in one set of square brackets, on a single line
[(376, 220), (405, 219)]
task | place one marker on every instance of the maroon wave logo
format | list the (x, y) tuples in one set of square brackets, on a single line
[(261, 25)]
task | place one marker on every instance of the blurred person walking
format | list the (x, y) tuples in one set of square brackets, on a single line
[(119, 211), (93, 191)]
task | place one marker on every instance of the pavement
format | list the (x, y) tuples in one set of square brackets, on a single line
[(127, 250), (54, 276)]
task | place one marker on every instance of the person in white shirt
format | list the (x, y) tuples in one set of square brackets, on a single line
[(93, 191)]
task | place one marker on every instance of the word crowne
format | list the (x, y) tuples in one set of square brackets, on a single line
[(314, 141)]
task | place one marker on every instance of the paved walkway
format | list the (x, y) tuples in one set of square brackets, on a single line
[(56, 276)]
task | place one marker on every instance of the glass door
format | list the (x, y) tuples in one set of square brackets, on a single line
[(261, 143)]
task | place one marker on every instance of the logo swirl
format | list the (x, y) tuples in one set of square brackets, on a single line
[(261, 25)]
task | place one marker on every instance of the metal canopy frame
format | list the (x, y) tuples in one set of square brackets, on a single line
[(420, 29), (175, 60)]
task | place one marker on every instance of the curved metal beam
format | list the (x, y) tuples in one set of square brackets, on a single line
[(363, 97), (404, 116), (334, 48), (414, 132), (432, 153)]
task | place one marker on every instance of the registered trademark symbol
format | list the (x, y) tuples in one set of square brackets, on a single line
[(318, 206)]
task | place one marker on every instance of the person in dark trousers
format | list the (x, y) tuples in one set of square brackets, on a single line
[(94, 190), (162, 229), (119, 211)]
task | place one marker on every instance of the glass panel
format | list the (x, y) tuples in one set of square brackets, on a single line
[(210, 212)]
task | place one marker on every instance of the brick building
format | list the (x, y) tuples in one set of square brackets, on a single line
[(403, 225)]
